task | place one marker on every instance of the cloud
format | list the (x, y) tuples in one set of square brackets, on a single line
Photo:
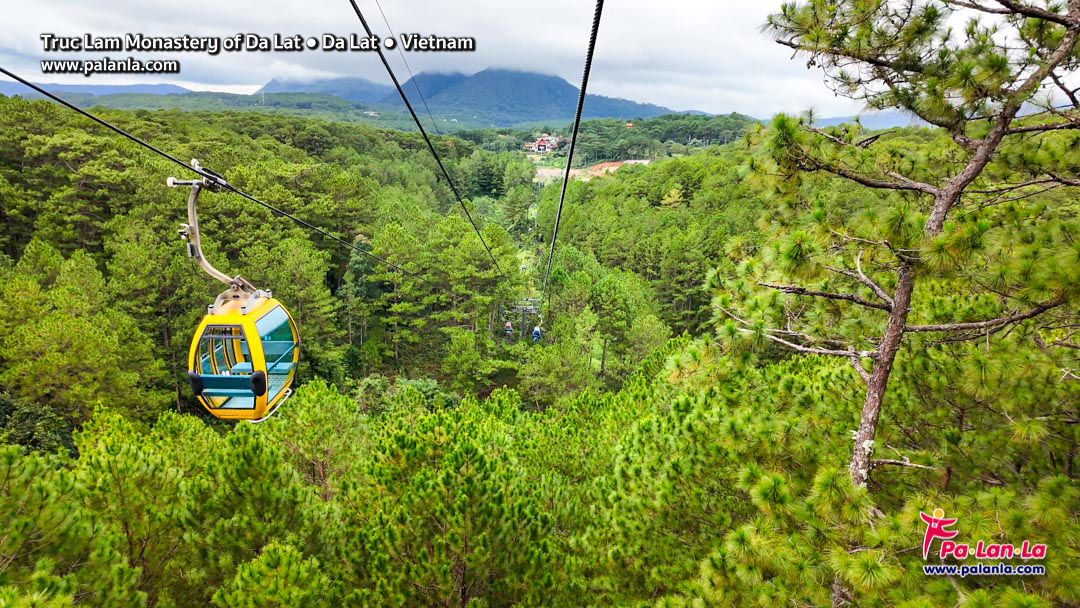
[(685, 54)]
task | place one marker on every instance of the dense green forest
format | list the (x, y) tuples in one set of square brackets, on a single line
[(762, 360), (605, 139), (659, 136), (310, 105)]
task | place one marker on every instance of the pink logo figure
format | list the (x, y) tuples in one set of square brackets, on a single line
[(935, 528)]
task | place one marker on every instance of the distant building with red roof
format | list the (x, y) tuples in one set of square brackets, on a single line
[(545, 143)]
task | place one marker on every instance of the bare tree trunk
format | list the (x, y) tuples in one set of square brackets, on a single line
[(349, 319), (894, 335), (839, 593), (879, 378), (172, 355), (463, 587), (603, 357)]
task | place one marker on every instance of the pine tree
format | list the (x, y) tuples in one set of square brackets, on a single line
[(278, 577), (64, 347), (933, 218), (960, 215)]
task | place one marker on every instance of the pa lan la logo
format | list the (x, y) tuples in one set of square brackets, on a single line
[(937, 527)]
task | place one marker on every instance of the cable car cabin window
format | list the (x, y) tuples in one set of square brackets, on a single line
[(224, 363), (279, 347)]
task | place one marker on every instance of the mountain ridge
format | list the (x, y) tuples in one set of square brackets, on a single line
[(429, 84), (499, 96), (16, 88), (351, 89)]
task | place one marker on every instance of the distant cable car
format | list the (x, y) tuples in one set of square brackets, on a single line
[(243, 358)]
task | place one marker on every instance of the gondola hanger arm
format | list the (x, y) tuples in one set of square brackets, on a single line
[(190, 231)]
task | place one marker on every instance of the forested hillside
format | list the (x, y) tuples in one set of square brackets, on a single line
[(766, 365), (90, 214), (656, 137), (352, 89), (308, 105)]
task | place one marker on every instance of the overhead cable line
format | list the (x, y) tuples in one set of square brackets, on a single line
[(213, 177), (573, 141), (412, 76), (431, 146)]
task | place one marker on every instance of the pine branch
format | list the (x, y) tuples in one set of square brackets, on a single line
[(1070, 93), (991, 323), (866, 143), (802, 291), (861, 144), (1011, 199), (861, 277), (771, 335), (1014, 8), (903, 257), (978, 7), (1039, 13), (813, 350), (857, 364), (1011, 187), (1064, 180), (870, 282), (836, 140), (956, 338), (913, 184), (901, 182), (854, 56), (900, 463), (1056, 126)]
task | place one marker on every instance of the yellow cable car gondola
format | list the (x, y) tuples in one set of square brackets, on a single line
[(243, 358)]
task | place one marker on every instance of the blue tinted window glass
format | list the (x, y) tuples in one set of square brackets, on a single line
[(279, 348), (274, 326)]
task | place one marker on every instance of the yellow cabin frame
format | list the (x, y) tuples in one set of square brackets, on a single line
[(241, 362)]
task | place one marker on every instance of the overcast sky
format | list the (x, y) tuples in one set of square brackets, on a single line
[(684, 54)]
